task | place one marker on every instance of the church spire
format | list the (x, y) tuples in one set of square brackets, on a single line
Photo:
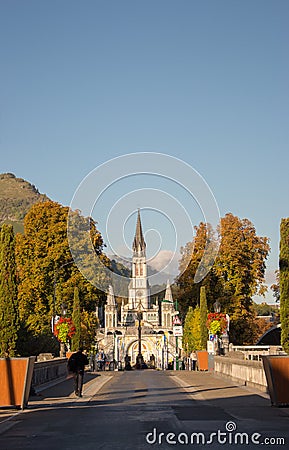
[(168, 294), (139, 244)]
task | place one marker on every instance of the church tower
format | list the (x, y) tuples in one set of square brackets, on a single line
[(167, 308), (110, 310), (139, 290)]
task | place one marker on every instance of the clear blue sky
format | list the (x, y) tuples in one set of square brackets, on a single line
[(206, 81)]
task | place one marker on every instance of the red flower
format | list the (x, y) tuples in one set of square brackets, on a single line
[(64, 329), (217, 318)]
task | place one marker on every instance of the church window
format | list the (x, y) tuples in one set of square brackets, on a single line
[(168, 319)]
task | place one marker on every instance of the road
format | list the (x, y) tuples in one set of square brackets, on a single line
[(147, 409)]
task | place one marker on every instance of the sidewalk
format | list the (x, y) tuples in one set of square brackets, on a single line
[(59, 393)]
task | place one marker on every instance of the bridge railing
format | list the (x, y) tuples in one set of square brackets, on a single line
[(255, 352), (47, 372)]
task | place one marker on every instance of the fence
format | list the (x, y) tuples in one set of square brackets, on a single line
[(255, 352), (48, 371)]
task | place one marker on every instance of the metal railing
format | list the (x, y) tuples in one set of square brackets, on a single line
[(255, 352)]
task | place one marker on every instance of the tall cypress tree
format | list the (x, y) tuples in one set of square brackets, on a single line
[(284, 283), (188, 329), (203, 317), (9, 322), (75, 341)]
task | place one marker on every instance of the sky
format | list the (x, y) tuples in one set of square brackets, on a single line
[(206, 82)]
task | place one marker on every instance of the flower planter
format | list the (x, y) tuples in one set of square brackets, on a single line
[(15, 381), (202, 360), (276, 369)]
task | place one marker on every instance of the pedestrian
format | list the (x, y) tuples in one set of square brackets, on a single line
[(92, 362), (193, 357), (127, 360), (76, 364)]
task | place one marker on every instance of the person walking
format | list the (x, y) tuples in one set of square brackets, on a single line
[(76, 364)]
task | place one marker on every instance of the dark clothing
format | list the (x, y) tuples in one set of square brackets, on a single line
[(78, 382), (77, 361), (76, 364)]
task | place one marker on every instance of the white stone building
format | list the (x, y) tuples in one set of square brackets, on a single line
[(120, 334)]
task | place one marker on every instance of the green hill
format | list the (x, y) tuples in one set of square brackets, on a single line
[(16, 197)]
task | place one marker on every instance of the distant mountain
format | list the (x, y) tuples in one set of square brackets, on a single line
[(160, 278), (16, 198)]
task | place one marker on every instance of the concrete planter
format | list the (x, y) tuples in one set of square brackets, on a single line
[(15, 381), (276, 369)]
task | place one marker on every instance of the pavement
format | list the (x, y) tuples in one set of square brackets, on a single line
[(58, 394), (145, 409)]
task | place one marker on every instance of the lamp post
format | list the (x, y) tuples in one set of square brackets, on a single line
[(62, 344), (176, 321), (217, 306), (217, 310), (225, 337), (56, 272), (139, 359)]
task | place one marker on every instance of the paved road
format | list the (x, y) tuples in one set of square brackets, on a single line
[(139, 410)]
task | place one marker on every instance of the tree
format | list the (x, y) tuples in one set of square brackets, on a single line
[(263, 309), (187, 339), (47, 274), (75, 341), (203, 317), (192, 254), (192, 330), (241, 268), (9, 321), (89, 324), (275, 287), (237, 274), (284, 283)]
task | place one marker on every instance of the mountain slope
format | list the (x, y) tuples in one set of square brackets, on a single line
[(16, 197)]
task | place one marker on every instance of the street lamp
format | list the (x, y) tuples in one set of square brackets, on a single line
[(139, 359), (63, 309), (176, 321), (62, 344), (217, 306), (56, 272), (217, 310), (225, 337)]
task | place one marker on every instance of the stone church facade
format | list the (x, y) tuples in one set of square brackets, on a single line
[(119, 335)]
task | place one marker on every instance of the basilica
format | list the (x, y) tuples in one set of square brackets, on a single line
[(138, 328)]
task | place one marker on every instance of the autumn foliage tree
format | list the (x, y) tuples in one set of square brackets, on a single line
[(237, 274), (191, 255), (47, 274), (241, 268), (9, 321)]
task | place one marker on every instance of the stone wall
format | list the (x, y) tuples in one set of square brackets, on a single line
[(46, 372), (249, 373)]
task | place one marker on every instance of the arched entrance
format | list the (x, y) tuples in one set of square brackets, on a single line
[(147, 349)]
